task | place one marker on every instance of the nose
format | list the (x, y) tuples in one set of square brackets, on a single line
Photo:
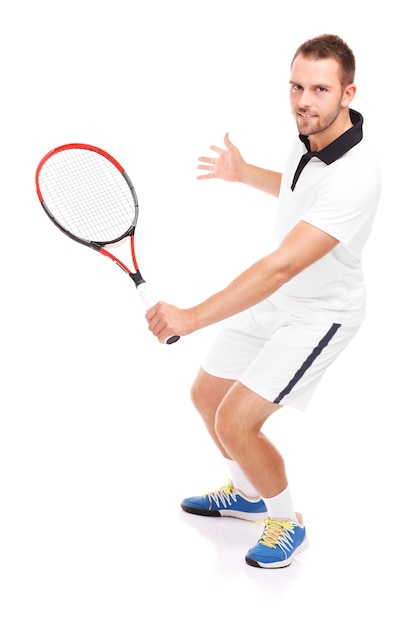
[(304, 99)]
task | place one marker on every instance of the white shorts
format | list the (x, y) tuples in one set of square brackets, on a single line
[(279, 356)]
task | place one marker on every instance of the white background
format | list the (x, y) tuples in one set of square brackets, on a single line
[(99, 442)]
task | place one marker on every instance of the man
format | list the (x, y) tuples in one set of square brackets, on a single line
[(288, 316)]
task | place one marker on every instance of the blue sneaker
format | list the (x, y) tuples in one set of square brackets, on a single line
[(281, 541), (226, 502)]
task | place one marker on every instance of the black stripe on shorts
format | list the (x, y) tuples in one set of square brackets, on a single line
[(308, 362)]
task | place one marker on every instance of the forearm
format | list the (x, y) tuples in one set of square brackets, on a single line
[(304, 245), (261, 179), (252, 286)]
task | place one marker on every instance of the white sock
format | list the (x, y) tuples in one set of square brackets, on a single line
[(281, 506), (240, 481)]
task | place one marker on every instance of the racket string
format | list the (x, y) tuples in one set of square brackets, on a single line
[(88, 195)]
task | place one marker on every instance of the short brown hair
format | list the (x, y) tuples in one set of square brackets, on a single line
[(333, 47)]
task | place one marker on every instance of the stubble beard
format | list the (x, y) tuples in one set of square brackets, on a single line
[(315, 125)]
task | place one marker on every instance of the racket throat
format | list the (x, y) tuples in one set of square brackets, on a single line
[(137, 278)]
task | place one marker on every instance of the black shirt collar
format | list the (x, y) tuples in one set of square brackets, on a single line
[(334, 150)]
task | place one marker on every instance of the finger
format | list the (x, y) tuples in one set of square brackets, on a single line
[(227, 141), (205, 176), (157, 328), (207, 160), (217, 149)]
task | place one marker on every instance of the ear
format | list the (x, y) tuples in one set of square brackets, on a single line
[(348, 95)]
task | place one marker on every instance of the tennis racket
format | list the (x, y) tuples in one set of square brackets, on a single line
[(88, 195)]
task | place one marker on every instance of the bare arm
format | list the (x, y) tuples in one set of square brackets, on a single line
[(304, 245), (229, 165)]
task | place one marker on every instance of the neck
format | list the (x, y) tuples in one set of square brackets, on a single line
[(340, 125)]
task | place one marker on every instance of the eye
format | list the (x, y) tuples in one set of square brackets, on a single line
[(295, 87), (321, 89)]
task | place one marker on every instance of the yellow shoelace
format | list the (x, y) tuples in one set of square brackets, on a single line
[(223, 494), (277, 533)]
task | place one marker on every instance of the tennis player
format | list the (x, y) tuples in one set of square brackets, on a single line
[(289, 315)]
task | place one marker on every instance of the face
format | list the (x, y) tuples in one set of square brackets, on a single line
[(318, 102)]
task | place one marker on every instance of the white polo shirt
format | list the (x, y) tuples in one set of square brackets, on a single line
[(336, 190)]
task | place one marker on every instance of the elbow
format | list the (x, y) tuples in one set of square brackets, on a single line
[(284, 275)]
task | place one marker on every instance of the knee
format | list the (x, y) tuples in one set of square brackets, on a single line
[(203, 400), (227, 429), (196, 395)]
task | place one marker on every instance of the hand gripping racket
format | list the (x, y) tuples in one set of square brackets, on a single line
[(91, 199)]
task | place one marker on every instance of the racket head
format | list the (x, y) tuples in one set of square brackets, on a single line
[(87, 194)]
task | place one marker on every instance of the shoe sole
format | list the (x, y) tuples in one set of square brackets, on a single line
[(279, 564), (248, 517)]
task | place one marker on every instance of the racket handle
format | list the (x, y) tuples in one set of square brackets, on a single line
[(148, 300)]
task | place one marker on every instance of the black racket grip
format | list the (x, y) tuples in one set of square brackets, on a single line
[(172, 339)]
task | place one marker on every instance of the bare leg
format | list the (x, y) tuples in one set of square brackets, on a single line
[(234, 416), (239, 420), (207, 393)]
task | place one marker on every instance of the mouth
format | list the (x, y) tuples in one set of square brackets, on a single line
[(305, 116)]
